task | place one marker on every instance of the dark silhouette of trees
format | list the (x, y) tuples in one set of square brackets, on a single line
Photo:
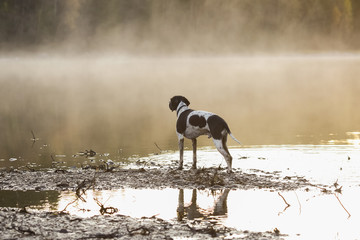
[(176, 25)]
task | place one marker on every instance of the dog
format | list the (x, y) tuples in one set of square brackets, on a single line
[(192, 124)]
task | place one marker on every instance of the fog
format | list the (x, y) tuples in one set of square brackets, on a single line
[(179, 27), (100, 75), (108, 104)]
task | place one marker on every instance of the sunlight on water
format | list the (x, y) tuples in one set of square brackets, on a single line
[(311, 214), (355, 140), (320, 163), (352, 138)]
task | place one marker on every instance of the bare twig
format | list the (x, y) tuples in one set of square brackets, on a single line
[(62, 211), (105, 210), (34, 139), (80, 190), (298, 202), (349, 215), (158, 147), (32, 133), (288, 205)]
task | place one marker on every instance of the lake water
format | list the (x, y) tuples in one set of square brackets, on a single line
[(118, 106), (297, 115)]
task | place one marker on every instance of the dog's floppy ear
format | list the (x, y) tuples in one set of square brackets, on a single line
[(174, 102)]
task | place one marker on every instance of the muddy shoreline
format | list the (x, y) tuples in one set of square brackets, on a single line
[(30, 224), (210, 178), (48, 225)]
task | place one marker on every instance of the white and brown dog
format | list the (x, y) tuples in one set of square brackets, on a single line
[(191, 124)]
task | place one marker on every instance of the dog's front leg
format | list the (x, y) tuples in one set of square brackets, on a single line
[(194, 153), (181, 148)]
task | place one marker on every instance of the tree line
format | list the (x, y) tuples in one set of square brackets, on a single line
[(178, 25)]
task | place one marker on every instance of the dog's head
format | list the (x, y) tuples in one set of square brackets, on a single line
[(176, 100)]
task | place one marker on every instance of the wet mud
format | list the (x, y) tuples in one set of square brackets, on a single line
[(19, 223), (48, 225), (211, 178)]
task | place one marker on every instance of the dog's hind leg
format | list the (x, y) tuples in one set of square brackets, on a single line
[(229, 157), (181, 149), (194, 153), (220, 144)]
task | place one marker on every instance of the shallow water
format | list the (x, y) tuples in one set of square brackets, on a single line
[(321, 164), (312, 214)]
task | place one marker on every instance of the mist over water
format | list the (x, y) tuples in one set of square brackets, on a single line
[(83, 75), (119, 105)]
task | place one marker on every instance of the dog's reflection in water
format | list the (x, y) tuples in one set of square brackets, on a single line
[(193, 211)]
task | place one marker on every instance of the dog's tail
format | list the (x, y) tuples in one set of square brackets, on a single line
[(232, 136), (229, 132)]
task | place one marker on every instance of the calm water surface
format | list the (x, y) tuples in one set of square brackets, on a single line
[(118, 106)]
